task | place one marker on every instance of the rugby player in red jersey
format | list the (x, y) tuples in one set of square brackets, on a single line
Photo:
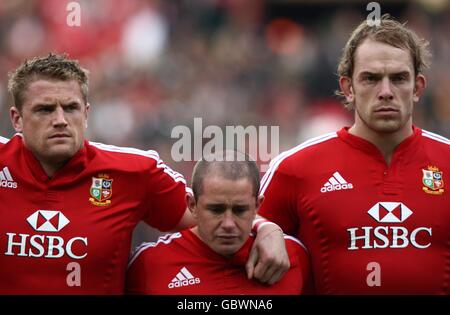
[(210, 257), (370, 201), (68, 207)]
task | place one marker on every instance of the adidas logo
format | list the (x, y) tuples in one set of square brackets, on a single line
[(183, 278), (336, 182), (6, 179)]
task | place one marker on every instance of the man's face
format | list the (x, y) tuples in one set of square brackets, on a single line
[(383, 88), (224, 212), (52, 120)]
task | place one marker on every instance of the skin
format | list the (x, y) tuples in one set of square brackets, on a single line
[(268, 260), (52, 120), (224, 212), (383, 88)]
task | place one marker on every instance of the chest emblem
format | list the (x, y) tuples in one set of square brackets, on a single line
[(101, 190), (432, 181)]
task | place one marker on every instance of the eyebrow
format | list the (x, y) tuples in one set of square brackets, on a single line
[(48, 103), (405, 73), (226, 205), (367, 72), (72, 103), (216, 205)]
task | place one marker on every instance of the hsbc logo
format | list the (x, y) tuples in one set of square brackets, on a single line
[(390, 212), (46, 246), (390, 236), (48, 220)]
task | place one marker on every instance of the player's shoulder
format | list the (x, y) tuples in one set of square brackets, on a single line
[(149, 251), (294, 243), (296, 250), (436, 141), (3, 140), (11, 144), (124, 153), (304, 152), (130, 159)]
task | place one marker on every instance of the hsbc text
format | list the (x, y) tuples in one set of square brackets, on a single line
[(43, 246), (368, 237)]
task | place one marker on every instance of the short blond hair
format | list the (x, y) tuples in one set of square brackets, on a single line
[(51, 67)]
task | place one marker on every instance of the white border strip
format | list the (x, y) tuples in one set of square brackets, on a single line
[(288, 237), (277, 160), (435, 137), (177, 177), (3, 139), (165, 239)]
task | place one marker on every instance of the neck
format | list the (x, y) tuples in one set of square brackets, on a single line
[(50, 168), (195, 231), (385, 142)]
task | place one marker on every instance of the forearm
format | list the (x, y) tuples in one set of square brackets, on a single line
[(259, 222)]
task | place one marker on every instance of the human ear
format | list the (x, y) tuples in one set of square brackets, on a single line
[(16, 119), (345, 84), (419, 87), (192, 205)]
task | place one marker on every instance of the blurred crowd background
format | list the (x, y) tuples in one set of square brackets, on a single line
[(156, 64)]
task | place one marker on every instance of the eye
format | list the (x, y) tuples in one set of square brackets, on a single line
[(71, 107), (399, 78), (369, 78), (216, 209), (44, 109), (240, 209)]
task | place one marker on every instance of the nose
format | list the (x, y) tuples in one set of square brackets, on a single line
[(385, 93), (228, 221), (59, 119)]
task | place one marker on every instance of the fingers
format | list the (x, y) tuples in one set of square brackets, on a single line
[(268, 260), (263, 271), (270, 271), (276, 276), (251, 262)]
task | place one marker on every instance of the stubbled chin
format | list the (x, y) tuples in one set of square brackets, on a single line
[(61, 151), (227, 250), (387, 126)]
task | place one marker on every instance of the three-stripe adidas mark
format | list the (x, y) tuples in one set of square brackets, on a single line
[(336, 182), (183, 278), (6, 179)]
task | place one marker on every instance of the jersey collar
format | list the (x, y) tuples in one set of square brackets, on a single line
[(66, 174), (370, 148), (239, 258)]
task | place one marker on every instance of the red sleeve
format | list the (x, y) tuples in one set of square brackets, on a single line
[(136, 273), (300, 266), (280, 200), (166, 201)]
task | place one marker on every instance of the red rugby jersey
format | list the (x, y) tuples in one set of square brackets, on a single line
[(71, 234), (369, 228), (181, 263)]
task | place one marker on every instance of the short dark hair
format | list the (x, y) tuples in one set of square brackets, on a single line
[(51, 67), (228, 164), (390, 32)]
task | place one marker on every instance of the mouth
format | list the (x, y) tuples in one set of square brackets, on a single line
[(386, 110), (59, 136), (227, 237)]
